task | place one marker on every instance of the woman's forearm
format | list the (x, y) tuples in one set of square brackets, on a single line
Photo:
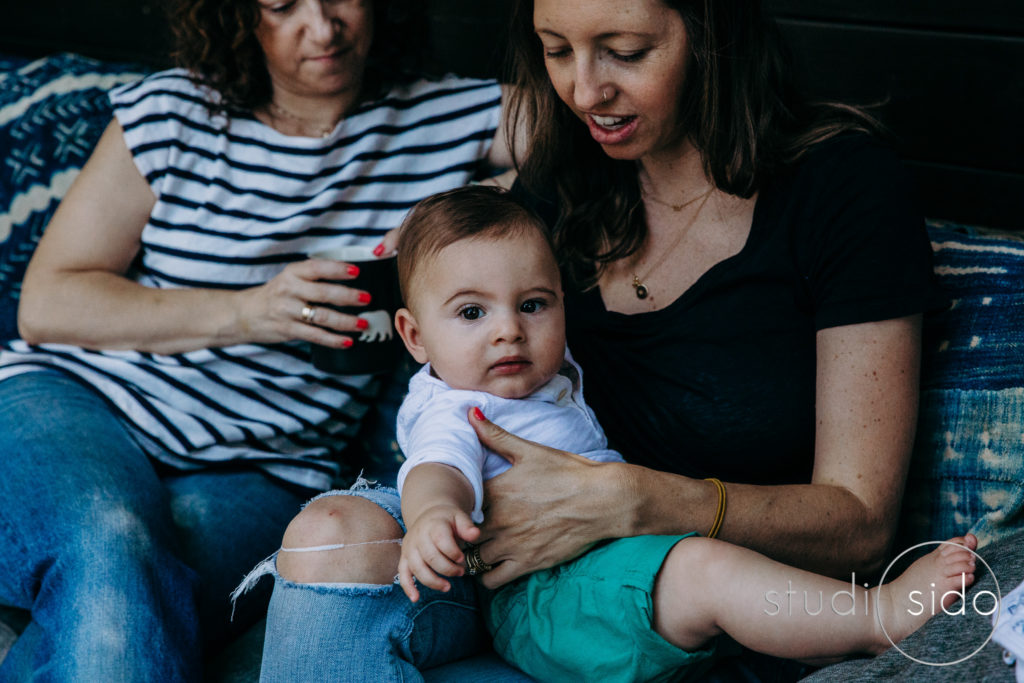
[(822, 528), (101, 310)]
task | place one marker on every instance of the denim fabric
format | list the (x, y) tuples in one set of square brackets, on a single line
[(965, 474), (365, 632), (116, 564)]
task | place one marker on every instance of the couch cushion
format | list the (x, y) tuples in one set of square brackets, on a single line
[(967, 472), (52, 112)]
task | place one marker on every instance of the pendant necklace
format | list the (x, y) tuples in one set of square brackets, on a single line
[(638, 283), (279, 112)]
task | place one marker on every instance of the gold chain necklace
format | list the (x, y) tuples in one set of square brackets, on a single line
[(277, 111), (638, 283), (675, 207)]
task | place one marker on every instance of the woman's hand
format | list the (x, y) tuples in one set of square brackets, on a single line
[(388, 244), (274, 312), (549, 508), (505, 180)]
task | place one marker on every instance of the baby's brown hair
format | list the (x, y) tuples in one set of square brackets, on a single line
[(465, 212)]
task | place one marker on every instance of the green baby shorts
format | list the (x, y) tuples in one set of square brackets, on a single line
[(592, 618)]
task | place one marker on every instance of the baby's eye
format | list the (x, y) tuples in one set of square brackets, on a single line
[(471, 312), (532, 306)]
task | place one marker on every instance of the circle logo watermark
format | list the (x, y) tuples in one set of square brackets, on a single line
[(978, 604)]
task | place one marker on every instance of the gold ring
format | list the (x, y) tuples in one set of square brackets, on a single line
[(474, 563), (308, 311)]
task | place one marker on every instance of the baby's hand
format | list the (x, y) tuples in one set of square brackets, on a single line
[(430, 549)]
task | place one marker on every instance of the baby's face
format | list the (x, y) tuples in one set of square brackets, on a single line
[(488, 315)]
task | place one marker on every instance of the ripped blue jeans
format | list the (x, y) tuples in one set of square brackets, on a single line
[(365, 632)]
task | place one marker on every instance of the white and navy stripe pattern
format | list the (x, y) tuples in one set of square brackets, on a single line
[(236, 202)]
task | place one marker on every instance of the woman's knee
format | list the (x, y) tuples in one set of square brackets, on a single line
[(120, 535), (357, 524)]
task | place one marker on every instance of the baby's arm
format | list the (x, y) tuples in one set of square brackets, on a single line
[(436, 500)]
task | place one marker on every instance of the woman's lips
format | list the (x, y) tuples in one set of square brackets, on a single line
[(611, 130), (330, 56)]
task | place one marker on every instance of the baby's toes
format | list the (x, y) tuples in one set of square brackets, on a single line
[(955, 553), (957, 559), (957, 568), (969, 541), (954, 546)]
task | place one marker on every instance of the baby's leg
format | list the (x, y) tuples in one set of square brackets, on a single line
[(708, 587)]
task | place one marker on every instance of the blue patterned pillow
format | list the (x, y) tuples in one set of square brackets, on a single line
[(10, 63), (967, 472), (52, 112)]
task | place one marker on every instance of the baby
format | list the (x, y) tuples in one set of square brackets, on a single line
[(484, 313)]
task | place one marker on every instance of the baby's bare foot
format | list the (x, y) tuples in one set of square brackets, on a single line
[(929, 586)]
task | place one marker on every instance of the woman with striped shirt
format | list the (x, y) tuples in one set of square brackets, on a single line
[(159, 419)]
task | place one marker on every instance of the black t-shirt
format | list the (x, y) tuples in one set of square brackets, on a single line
[(722, 381)]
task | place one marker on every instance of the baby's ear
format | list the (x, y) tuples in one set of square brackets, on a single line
[(409, 331)]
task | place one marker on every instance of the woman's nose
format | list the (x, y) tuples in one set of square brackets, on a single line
[(589, 89), (320, 21)]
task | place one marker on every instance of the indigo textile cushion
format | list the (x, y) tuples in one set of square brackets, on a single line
[(967, 473), (52, 112)]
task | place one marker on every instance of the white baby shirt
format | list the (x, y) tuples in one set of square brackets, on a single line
[(433, 426)]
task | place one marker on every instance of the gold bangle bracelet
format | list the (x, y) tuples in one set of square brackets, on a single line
[(720, 513)]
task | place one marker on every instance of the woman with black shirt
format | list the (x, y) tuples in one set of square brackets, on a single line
[(746, 279)]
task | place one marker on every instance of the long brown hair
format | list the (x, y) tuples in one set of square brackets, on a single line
[(216, 41), (739, 108)]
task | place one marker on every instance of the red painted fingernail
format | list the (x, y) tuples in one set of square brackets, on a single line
[(379, 249), (364, 297), (362, 324), (353, 270), (347, 343), (478, 414)]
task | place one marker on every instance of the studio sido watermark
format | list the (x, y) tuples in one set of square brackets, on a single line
[(983, 603), (843, 597), (959, 609)]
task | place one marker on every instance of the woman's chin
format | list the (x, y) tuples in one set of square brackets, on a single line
[(623, 152)]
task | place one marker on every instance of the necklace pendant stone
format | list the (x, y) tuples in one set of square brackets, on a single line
[(639, 288)]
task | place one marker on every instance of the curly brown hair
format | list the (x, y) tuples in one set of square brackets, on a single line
[(216, 41)]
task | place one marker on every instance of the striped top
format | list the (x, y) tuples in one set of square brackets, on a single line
[(236, 202)]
